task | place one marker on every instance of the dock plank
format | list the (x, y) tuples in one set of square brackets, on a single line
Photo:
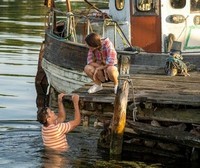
[(171, 115), (152, 88), (166, 134)]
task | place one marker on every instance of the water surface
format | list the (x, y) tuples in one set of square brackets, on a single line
[(21, 34)]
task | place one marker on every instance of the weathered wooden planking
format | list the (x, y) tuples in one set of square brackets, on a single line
[(103, 96), (160, 89), (159, 60), (167, 98), (167, 90), (194, 77), (170, 115), (64, 53), (143, 69), (165, 134)]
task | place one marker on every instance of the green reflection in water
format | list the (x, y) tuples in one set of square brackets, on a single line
[(21, 13)]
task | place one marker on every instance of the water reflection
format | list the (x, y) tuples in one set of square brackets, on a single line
[(21, 33), (52, 158)]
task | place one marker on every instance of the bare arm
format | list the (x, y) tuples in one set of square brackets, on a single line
[(101, 67), (77, 116), (94, 64), (61, 109)]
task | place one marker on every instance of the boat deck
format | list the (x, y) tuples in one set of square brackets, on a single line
[(161, 89)]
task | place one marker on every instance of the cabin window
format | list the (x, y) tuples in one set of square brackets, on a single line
[(195, 5), (178, 4), (146, 7), (197, 20), (119, 4), (175, 19)]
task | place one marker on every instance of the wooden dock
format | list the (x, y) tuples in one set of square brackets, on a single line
[(170, 101), (160, 109), (178, 93), (159, 89)]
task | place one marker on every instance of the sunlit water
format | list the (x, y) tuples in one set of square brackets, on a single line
[(21, 33), (21, 147)]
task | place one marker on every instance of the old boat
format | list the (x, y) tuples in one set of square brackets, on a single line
[(151, 25), (144, 33)]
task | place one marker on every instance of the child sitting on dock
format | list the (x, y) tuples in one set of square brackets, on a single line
[(101, 62), (54, 128)]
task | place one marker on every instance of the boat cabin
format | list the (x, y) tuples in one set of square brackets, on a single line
[(154, 24)]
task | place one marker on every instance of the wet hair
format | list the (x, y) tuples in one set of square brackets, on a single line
[(42, 115), (93, 40)]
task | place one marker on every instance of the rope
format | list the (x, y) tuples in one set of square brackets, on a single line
[(121, 35), (176, 61), (120, 31), (134, 103), (48, 88), (125, 41), (71, 24), (183, 28), (64, 27)]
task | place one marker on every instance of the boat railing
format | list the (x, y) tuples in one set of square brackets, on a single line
[(67, 25)]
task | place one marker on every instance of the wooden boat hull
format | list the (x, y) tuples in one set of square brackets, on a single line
[(63, 63), (62, 79), (65, 53)]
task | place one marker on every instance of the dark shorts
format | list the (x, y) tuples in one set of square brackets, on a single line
[(106, 81)]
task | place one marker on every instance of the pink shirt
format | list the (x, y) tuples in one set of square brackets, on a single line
[(107, 53), (54, 136)]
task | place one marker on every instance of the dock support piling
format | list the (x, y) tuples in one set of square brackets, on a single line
[(86, 121), (41, 83), (119, 119)]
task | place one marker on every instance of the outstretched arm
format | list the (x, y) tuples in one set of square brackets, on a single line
[(77, 116), (61, 109)]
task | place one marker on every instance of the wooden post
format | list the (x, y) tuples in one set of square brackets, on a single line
[(119, 119), (41, 83), (124, 65), (86, 121), (68, 5)]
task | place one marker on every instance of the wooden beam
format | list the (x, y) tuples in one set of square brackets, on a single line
[(119, 119), (164, 134), (171, 115)]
